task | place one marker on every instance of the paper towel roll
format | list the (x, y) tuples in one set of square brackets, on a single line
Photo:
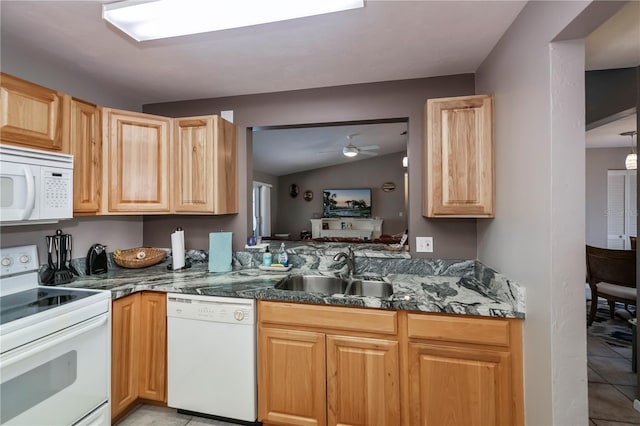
[(177, 249)]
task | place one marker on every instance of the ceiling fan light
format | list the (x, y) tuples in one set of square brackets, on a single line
[(350, 151), (631, 162)]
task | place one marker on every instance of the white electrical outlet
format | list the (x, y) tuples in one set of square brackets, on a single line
[(424, 244)]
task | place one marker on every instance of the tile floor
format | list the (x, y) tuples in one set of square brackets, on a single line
[(611, 394), (611, 385), (150, 415)]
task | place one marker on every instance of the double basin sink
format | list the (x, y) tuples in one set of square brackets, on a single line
[(335, 285)]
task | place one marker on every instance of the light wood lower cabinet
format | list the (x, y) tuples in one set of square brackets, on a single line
[(363, 383), (125, 317), (463, 371), (292, 377), (138, 350), (326, 365), (339, 367)]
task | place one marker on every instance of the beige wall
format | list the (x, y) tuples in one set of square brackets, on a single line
[(537, 238), (598, 161), (294, 213), (453, 238)]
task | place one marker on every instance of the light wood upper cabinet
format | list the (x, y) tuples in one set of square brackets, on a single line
[(30, 115), (463, 371), (459, 157), (205, 170), (85, 140), (125, 347), (137, 149)]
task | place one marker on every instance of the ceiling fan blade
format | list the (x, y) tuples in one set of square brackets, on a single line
[(368, 153), (368, 147)]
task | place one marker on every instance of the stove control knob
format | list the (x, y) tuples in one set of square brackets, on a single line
[(238, 315), (6, 261), (24, 258)]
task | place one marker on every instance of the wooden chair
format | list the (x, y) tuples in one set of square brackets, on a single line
[(611, 275)]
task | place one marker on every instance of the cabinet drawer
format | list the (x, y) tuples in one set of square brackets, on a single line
[(337, 318), (464, 330)]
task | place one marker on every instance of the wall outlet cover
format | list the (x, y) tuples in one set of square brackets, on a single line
[(424, 244)]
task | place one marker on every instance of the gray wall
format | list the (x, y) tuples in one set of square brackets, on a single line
[(294, 213), (38, 67), (609, 92), (537, 237), (453, 238), (598, 161), (116, 232)]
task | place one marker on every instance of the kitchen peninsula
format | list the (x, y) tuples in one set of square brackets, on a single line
[(451, 331)]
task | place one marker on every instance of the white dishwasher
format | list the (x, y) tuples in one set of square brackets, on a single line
[(211, 360)]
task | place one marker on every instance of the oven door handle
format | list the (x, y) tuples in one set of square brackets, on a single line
[(31, 193), (53, 340)]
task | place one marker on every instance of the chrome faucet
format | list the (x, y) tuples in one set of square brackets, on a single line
[(350, 258)]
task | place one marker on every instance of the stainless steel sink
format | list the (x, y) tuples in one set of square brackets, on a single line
[(313, 284), (335, 285), (370, 288)]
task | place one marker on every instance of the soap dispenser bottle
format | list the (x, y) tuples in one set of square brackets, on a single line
[(266, 257), (283, 259)]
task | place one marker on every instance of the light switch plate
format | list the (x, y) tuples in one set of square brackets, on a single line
[(424, 244)]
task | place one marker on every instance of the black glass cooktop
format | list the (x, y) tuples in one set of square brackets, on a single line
[(36, 300)]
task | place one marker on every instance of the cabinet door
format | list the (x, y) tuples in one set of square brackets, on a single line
[(193, 168), (86, 146), (362, 381), (225, 168), (125, 348), (459, 157), (291, 377), (206, 165), (30, 115), (153, 346), (138, 153), (459, 386)]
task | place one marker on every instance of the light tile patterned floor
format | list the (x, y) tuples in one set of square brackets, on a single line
[(150, 415), (612, 385)]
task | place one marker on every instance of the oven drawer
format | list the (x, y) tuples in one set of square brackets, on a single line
[(59, 379)]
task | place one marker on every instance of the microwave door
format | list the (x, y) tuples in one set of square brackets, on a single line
[(18, 191)]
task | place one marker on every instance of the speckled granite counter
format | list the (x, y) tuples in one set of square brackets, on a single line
[(429, 285)]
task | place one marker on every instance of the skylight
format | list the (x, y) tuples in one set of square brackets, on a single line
[(156, 19)]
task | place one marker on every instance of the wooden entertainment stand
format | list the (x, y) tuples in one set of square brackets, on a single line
[(346, 227)]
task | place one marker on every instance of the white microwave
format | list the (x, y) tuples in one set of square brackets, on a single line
[(35, 186)]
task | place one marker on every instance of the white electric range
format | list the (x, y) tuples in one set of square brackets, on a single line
[(55, 348)]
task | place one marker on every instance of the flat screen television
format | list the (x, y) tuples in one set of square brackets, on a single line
[(346, 202)]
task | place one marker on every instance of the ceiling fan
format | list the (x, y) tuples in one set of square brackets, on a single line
[(351, 150)]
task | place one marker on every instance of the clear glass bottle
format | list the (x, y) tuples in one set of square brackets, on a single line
[(283, 259)]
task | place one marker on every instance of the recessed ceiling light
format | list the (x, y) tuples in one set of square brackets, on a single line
[(156, 19)]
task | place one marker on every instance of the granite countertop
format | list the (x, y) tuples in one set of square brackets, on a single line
[(429, 285)]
